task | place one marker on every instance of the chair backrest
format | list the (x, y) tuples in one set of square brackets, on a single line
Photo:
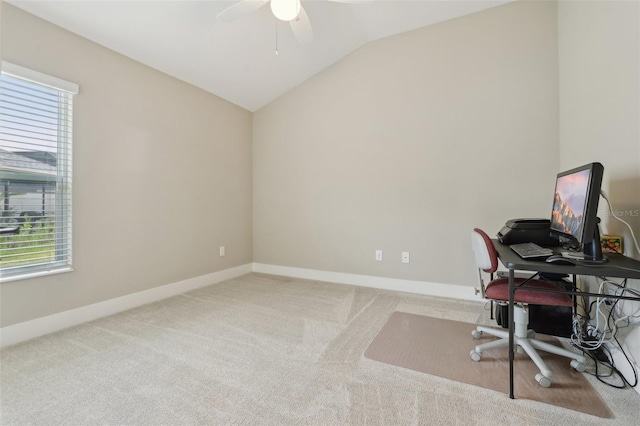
[(484, 251)]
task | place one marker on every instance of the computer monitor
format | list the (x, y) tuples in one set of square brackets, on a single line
[(574, 219)]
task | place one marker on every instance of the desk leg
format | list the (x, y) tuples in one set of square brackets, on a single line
[(511, 329)]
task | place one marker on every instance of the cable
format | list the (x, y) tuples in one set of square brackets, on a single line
[(613, 372), (591, 338), (633, 236), (631, 364), (620, 307), (613, 309)]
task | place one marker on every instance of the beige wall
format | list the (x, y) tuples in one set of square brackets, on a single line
[(407, 144), (162, 174), (599, 69), (599, 47)]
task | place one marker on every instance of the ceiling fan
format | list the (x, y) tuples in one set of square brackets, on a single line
[(285, 10)]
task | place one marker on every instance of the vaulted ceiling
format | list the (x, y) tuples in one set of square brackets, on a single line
[(236, 60)]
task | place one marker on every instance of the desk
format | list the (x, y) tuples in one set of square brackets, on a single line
[(619, 266)]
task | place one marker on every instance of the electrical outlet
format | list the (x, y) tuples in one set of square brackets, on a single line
[(222, 251), (405, 257), (378, 255)]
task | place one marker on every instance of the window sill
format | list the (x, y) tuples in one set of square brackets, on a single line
[(35, 274)]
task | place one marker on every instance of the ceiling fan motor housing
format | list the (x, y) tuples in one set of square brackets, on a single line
[(285, 10)]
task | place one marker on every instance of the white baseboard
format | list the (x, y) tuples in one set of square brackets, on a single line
[(419, 287), (20, 332)]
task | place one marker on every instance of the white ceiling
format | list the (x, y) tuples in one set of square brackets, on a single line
[(236, 60)]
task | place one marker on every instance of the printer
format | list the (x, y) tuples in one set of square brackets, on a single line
[(527, 231)]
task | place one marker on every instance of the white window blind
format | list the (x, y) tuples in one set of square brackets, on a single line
[(35, 172)]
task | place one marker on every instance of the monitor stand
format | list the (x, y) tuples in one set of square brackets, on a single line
[(593, 249)]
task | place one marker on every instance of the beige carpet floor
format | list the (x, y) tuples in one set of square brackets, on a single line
[(441, 347), (258, 350)]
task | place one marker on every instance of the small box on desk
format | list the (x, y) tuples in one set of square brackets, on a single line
[(611, 244)]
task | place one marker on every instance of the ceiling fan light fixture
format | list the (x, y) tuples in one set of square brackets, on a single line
[(285, 10)]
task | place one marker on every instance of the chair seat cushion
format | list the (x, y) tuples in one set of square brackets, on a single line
[(498, 289)]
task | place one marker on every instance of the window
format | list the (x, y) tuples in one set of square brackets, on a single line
[(35, 172)]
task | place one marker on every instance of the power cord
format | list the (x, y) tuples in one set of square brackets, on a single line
[(603, 359), (591, 340), (633, 236)]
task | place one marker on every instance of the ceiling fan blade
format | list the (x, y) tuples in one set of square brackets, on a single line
[(240, 9), (301, 27)]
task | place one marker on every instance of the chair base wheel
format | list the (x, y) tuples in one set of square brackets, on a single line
[(476, 334), (579, 367), (543, 381), (475, 355)]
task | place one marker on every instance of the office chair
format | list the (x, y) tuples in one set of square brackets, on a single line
[(498, 290)]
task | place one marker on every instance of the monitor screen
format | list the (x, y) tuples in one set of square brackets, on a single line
[(569, 203), (574, 217)]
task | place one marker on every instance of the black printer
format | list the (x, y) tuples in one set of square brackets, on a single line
[(527, 231)]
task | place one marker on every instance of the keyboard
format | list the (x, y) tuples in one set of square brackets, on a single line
[(531, 250)]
